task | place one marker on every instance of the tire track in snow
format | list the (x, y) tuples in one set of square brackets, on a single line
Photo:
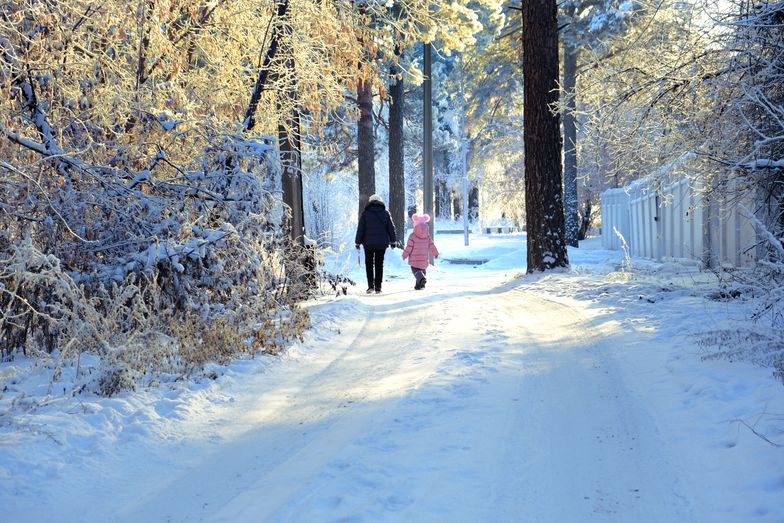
[(331, 404), (596, 452), (507, 412)]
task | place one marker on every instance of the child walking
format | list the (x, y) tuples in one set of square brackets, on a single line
[(418, 246)]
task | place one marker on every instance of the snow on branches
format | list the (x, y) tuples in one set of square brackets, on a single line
[(136, 222)]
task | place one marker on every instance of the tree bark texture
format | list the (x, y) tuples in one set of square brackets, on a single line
[(290, 157), (366, 143), (473, 204), (542, 138), (585, 222), (290, 146), (570, 137), (441, 200), (397, 191)]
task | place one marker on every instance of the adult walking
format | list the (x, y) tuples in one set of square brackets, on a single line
[(375, 231)]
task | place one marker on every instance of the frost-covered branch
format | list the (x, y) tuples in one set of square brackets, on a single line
[(774, 243)]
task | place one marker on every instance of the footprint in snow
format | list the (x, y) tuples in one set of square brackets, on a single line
[(463, 391), (330, 503), (396, 503), (470, 358)]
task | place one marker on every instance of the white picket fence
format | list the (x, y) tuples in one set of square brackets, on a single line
[(678, 221)]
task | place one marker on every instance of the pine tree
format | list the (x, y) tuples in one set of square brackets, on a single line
[(397, 195), (365, 143), (542, 134), (584, 23), (570, 51)]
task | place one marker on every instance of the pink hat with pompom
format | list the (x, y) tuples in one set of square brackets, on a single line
[(420, 225)]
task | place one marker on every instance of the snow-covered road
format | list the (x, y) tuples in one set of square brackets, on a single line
[(461, 405), (487, 397)]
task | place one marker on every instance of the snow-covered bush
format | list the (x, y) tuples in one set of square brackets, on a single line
[(758, 162), (715, 117), (330, 212), (152, 274), (136, 222), (762, 347)]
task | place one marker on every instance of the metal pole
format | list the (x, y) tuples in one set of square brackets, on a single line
[(427, 145), (463, 149), (465, 209)]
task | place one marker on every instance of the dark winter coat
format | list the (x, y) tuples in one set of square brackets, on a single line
[(375, 229)]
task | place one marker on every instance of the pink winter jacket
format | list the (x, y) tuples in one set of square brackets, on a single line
[(418, 245)]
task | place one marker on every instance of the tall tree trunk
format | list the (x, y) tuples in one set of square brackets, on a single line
[(397, 180), (146, 10), (473, 204), (542, 136), (585, 222), (291, 160), (570, 52), (261, 80), (290, 139), (366, 143), (289, 127), (290, 146), (145, 26), (457, 205), (441, 200)]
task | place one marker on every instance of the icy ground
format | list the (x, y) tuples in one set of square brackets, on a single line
[(573, 396)]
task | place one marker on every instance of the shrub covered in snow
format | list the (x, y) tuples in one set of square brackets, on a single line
[(151, 274), (136, 222)]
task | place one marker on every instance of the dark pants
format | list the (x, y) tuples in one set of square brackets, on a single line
[(374, 267), (419, 274)]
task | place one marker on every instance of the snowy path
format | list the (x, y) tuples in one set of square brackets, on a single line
[(516, 416), (562, 398)]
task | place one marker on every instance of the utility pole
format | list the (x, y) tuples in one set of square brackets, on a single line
[(427, 145), (463, 149)]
